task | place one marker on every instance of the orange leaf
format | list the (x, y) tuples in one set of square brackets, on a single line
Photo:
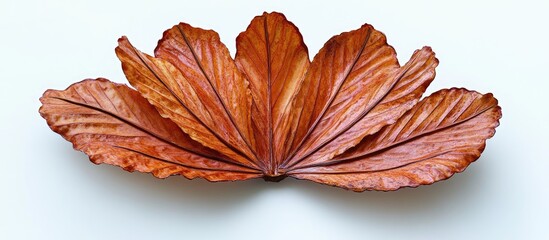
[(208, 67), (274, 58), (440, 136), (113, 124), (364, 81), (174, 96)]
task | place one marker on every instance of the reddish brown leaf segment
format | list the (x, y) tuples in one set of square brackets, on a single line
[(272, 55), (113, 124), (350, 118), (438, 137)]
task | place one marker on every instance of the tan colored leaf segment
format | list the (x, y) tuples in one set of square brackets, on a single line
[(351, 117)]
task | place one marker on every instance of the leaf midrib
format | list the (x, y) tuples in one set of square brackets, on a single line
[(272, 163), (184, 165)]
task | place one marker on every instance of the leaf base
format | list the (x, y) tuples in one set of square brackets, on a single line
[(275, 178)]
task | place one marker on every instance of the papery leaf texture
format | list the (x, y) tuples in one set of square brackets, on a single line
[(352, 117)]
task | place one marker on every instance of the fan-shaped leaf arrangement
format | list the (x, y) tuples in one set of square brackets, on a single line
[(350, 118)]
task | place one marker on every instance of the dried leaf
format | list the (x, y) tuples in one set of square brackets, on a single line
[(274, 58), (174, 96), (209, 69), (363, 90), (113, 124), (350, 118), (440, 136)]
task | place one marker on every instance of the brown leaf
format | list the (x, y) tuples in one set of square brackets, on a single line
[(208, 67), (176, 98), (113, 124), (272, 55), (350, 118), (440, 136), (363, 82)]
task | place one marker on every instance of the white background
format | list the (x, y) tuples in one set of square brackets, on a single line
[(49, 191)]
